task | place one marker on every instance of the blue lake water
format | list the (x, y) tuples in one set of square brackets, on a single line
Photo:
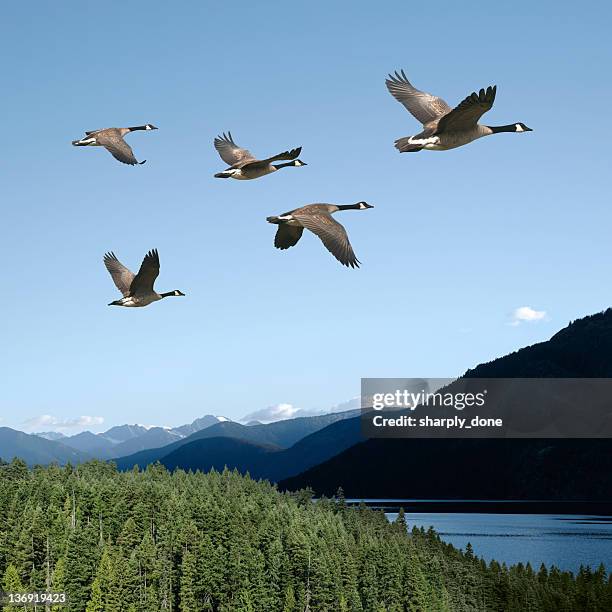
[(566, 541)]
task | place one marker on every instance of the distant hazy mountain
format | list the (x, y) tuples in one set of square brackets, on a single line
[(282, 434), (92, 444), (50, 435), (122, 433), (201, 423), (34, 449), (152, 438), (128, 439), (494, 469)]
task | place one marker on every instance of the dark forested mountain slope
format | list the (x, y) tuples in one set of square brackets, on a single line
[(466, 469), (265, 461), (217, 453), (583, 349), (495, 469)]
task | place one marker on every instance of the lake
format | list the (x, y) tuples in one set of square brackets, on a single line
[(564, 540)]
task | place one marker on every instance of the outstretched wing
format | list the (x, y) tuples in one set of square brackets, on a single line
[(287, 236), (118, 148), (285, 155), (229, 151), (122, 277), (467, 113), (332, 234), (420, 104), (149, 271)]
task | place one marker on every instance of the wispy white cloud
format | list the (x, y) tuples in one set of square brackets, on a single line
[(277, 412), (527, 314), (283, 411), (48, 422), (352, 404)]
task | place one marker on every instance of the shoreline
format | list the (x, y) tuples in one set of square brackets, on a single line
[(493, 506)]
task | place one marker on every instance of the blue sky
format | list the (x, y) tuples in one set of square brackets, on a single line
[(456, 242)]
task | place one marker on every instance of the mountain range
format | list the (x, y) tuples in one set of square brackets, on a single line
[(328, 451), (209, 442), (288, 444), (47, 447)]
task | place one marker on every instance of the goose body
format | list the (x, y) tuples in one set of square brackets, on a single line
[(318, 219), (112, 140), (444, 127), (137, 289), (244, 166)]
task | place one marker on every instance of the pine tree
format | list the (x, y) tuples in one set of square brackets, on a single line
[(188, 598), (58, 582), (95, 603), (80, 564), (11, 583), (289, 604)]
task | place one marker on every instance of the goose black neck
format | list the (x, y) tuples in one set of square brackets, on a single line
[(167, 294), (279, 166), (348, 206), (496, 129), (137, 127)]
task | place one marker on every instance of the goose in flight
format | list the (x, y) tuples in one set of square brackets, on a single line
[(112, 140), (318, 219), (137, 289), (243, 165), (445, 127)]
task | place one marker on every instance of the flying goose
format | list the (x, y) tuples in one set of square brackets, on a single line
[(112, 140), (137, 289), (445, 127), (243, 166), (318, 219)]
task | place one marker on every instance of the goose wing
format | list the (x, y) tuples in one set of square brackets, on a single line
[(118, 148), (287, 236), (229, 151), (332, 234), (467, 113), (285, 155), (122, 277), (149, 271), (420, 104)]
